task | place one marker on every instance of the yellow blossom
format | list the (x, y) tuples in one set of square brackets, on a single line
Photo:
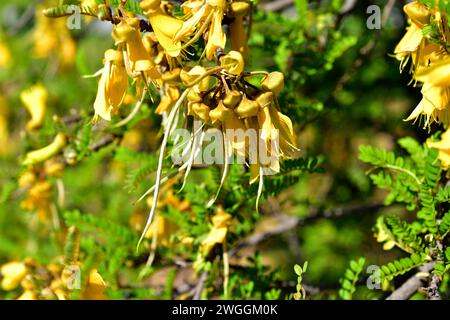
[(217, 235), (95, 287), (52, 37), (5, 55), (12, 273), (45, 153), (209, 15), (444, 148), (35, 100), (112, 86), (164, 26), (127, 34)]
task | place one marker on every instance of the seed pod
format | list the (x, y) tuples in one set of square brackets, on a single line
[(232, 99), (274, 82), (193, 96), (247, 108), (201, 110), (172, 76), (220, 113), (265, 99)]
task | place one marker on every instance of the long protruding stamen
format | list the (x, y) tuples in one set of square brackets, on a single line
[(160, 164)]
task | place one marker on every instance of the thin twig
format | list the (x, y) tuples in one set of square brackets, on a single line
[(287, 223), (411, 285)]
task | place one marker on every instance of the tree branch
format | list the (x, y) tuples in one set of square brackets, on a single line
[(411, 285)]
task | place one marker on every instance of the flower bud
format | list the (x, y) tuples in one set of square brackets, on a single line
[(193, 96), (247, 108), (233, 62), (274, 82), (47, 152), (265, 99), (188, 77), (150, 6), (418, 13), (232, 99), (172, 76), (104, 13), (220, 113), (201, 110)]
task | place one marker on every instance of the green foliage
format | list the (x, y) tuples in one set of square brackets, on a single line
[(351, 276), (299, 271), (401, 266)]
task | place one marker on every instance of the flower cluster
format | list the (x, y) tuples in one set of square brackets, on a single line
[(425, 45), (38, 282), (181, 52)]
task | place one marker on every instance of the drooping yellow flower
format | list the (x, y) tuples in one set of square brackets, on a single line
[(5, 55), (221, 222), (164, 26), (95, 287), (205, 15), (444, 148), (434, 106), (168, 100), (35, 100), (45, 153), (112, 86), (137, 60), (12, 273), (413, 42), (51, 37)]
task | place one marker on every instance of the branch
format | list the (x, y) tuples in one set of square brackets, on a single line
[(287, 223), (276, 5), (412, 284)]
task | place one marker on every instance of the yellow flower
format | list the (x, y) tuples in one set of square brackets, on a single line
[(39, 199), (13, 273), (5, 55), (40, 155), (95, 287), (444, 148), (5, 145), (127, 34), (217, 235), (168, 100), (51, 37), (35, 100), (112, 86), (209, 15), (28, 295), (434, 105), (233, 62), (164, 26)]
